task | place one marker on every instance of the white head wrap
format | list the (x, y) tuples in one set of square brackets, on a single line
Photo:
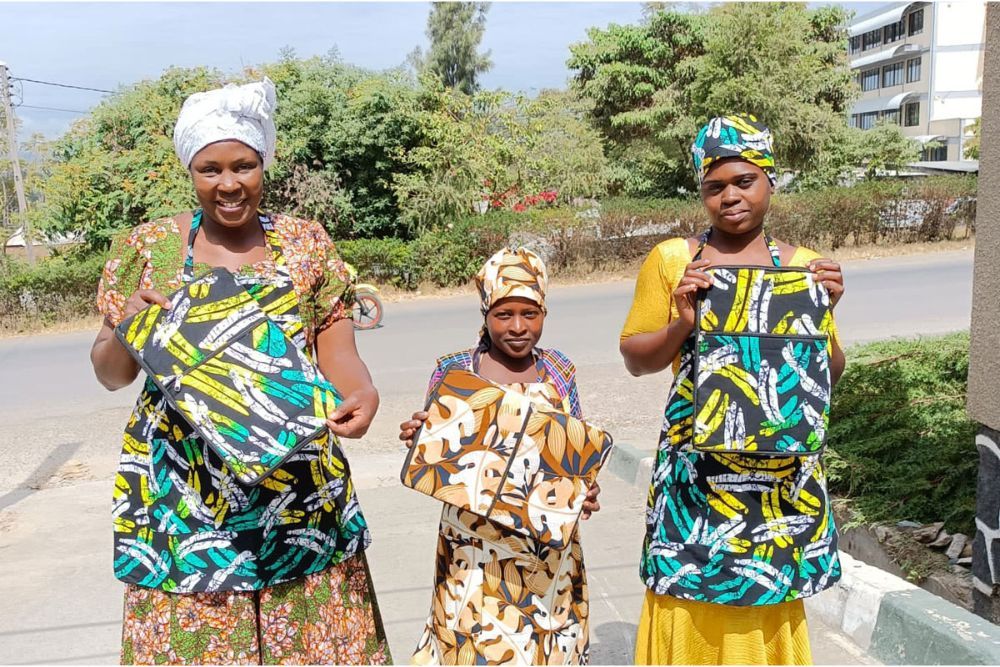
[(244, 113)]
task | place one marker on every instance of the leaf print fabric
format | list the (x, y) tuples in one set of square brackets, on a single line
[(494, 453), (228, 368), (724, 527), (761, 377), (183, 521), (500, 597)]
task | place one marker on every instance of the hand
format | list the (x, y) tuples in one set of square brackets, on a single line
[(590, 502), (355, 414), (685, 296), (142, 298), (829, 275), (408, 428)]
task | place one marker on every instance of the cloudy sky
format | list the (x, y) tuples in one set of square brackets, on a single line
[(110, 44)]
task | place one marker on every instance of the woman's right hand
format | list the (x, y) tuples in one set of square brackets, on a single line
[(685, 296), (408, 428), (142, 298)]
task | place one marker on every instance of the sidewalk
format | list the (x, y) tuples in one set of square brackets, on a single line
[(61, 603)]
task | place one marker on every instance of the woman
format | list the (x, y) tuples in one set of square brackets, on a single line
[(724, 588), (499, 597), (216, 572)]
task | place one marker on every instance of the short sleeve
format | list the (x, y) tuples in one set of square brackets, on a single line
[(802, 257), (653, 303), (122, 276), (333, 291)]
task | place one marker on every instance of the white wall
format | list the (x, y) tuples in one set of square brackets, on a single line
[(964, 107), (957, 22)]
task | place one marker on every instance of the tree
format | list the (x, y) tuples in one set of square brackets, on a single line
[(455, 30), (972, 145), (653, 85)]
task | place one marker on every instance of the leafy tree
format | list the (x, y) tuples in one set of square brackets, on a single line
[(972, 145), (455, 30)]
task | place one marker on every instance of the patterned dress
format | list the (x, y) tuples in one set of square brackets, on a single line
[(500, 598), (733, 543), (219, 572)]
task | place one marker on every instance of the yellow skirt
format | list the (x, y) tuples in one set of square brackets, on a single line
[(682, 632)]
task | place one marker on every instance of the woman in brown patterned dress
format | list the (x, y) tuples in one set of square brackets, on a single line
[(500, 598)]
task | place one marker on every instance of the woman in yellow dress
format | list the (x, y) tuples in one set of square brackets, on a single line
[(733, 543)]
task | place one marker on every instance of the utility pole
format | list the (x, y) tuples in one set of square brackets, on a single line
[(22, 204)]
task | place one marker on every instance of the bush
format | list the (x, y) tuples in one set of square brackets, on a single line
[(386, 261), (58, 288), (902, 444)]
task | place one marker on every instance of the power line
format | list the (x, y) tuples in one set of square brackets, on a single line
[(61, 85), (29, 106)]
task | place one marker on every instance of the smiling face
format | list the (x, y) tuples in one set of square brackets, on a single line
[(515, 326), (228, 178), (736, 194)]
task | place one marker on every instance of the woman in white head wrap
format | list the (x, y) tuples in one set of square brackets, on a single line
[(217, 572)]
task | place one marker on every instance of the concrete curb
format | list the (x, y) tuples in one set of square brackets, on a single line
[(889, 618)]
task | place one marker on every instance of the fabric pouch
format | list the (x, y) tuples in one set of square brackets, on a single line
[(232, 373), (761, 373), (494, 452)]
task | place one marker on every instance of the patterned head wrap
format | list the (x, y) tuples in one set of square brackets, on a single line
[(741, 136), (512, 273), (244, 113)]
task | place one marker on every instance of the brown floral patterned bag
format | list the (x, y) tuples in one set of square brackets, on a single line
[(494, 452)]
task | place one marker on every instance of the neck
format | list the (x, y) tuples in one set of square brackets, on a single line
[(733, 243), (513, 364), (236, 238)]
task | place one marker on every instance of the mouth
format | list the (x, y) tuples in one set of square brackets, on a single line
[(231, 206), (518, 342), (735, 215)]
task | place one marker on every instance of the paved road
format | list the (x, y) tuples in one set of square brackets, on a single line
[(59, 435)]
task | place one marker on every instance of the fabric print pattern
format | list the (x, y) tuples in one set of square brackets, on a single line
[(512, 273), (327, 618), (736, 528), (232, 372), (489, 451), (761, 381), (739, 136), (183, 521), (500, 597)]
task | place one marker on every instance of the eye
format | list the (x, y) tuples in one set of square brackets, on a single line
[(208, 170), (246, 166), (747, 181)]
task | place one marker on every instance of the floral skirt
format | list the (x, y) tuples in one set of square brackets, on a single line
[(673, 631), (330, 617)]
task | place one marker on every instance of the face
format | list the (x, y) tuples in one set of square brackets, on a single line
[(515, 325), (736, 194), (229, 180)]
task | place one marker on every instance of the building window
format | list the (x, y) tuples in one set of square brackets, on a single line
[(855, 43), (892, 75), (912, 70), (853, 120), (911, 114), (938, 154), (894, 32), (916, 20), (869, 79), (866, 121), (871, 39), (891, 116)]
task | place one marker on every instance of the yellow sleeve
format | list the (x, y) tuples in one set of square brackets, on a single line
[(802, 257), (653, 304)]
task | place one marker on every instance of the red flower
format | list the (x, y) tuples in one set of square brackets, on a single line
[(520, 208)]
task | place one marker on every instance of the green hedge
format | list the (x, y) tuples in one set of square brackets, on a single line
[(55, 289), (901, 445)]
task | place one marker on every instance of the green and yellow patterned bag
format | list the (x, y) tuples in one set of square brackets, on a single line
[(232, 373)]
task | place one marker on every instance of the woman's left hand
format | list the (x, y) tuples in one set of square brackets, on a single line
[(829, 275), (355, 414), (590, 503)]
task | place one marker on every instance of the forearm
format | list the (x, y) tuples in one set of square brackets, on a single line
[(837, 363), (653, 351), (339, 361), (113, 365)]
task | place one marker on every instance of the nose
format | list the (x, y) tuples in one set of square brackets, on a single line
[(228, 182), (731, 195), (518, 325)]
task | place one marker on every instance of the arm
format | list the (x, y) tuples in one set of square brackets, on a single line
[(830, 275), (338, 359), (113, 365)]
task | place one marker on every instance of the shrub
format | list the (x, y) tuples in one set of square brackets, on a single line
[(58, 288), (902, 444), (386, 261)]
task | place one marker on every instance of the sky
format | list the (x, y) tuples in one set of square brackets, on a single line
[(106, 45)]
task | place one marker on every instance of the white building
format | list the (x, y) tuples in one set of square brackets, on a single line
[(920, 64)]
